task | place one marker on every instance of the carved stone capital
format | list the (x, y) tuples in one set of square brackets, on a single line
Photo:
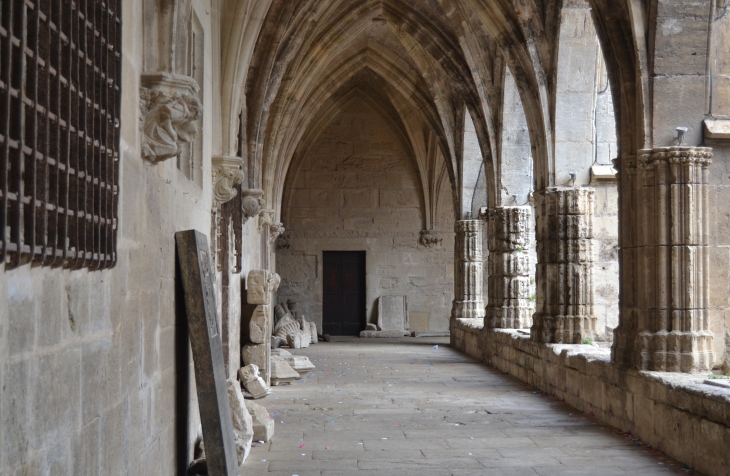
[(252, 202), (169, 111), (275, 229), (266, 218), (227, 174), (430, 239)]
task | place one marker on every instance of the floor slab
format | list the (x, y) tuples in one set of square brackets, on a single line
[(415, 406)]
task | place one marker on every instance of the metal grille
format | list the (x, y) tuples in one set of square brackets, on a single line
[(60, 75)]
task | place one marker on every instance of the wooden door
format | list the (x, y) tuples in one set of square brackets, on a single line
[(343, 309)]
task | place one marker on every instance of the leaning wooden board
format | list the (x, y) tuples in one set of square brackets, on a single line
[(205, 340)]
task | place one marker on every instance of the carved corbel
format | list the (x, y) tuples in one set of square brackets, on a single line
[(227, 174), (266, 218), (275, 229), (430, 239), (252, 202), (170, 110)]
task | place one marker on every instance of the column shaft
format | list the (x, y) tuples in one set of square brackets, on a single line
[(469, 264), (564, 266), (664, 320), (509, 287)]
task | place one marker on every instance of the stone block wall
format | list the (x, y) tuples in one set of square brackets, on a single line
[(675, 413), (357, 189)]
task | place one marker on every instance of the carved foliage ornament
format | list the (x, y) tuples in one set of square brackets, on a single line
[(430, 239), (227, 174), (169, 114)]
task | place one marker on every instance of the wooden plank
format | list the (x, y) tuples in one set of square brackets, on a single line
[(205, 340)]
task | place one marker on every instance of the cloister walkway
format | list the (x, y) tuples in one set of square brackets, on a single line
[(402, 407)]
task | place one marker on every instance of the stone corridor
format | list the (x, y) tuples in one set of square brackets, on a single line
[(399, 406)]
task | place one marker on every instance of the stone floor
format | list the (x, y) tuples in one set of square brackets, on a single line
[(402, 407)]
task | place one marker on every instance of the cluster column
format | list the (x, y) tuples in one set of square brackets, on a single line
[(509, 287), (663, 206), (469, 272), (564, 266)]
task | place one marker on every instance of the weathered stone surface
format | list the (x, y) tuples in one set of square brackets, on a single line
[(249, 376), (281, 372), (664, 320), (469, 265), (300, 363), (511, 300), (313, 333), (260, 284), (393, 313), (257, 354), (242, 422), (564, 311), (263, 425), (298, 340), (215, 412), (259, 330)]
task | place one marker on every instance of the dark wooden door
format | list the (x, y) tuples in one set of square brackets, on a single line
[(343, 309)]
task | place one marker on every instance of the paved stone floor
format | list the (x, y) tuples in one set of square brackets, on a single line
[(401, 407)]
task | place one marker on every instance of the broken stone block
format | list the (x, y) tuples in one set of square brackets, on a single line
[(263, 425), (275, 342), (257, 354), (299, 340), (260, 284), (281, 372), (258, 327), (313, 332), (255, 385), (242, 422), (285, 326)]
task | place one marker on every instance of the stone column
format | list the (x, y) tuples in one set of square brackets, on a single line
[(663, 231), (564, 266), (509, 287), (469, 264)]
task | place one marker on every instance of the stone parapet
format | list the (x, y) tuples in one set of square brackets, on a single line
[(509, 291), (469, 269), (564, 311), (679, 414), (664, 318)]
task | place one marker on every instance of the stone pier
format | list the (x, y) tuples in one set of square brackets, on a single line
[(564, 266), (509, 291), (469, 268), (664, 318)]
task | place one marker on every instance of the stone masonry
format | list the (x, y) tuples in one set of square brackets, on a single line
[(664, 320), (564, 266), (511, 301), (468, 270)]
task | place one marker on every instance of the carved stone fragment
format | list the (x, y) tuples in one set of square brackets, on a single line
[(430, 239), (510, 305), (169, 114), (252, 201), (281, 372), (227, 174), (258, 327), (249, 376), (242, 422), (260, 284), (263, 424), (258, 354)]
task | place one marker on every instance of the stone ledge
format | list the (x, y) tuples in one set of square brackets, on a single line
[(675, 412)]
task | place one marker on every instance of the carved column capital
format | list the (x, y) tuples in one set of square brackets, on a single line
[(170, 110), (227, 174), (252, 202), (275, 229)]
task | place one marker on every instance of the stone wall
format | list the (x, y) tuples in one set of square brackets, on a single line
[(357, 189), (674, 413)]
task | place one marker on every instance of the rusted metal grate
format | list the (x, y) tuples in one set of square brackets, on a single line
[(60, 78)]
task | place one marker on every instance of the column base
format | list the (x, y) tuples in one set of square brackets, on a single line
[(665, 351), (562, 329), (509, 317), (467, 309)]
